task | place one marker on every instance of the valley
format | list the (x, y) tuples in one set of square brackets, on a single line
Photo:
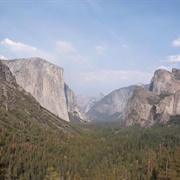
[(95, 152), (136, 136)]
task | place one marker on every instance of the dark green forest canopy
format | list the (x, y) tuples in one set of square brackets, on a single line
[(28, 150)]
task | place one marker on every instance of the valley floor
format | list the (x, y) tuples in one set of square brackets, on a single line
[(30, 151)]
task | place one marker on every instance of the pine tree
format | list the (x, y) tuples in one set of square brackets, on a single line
[(51, 174)]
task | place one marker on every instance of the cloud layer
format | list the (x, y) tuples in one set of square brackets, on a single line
[(2, 57), (81, 74), (174, 58), (176, 42), (107, 80), (17, 46)]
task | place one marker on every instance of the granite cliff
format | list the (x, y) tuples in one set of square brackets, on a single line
[(45, 82), (143, 105), (86, 102), (165, 82), (72, 106), (18, 107), (112, 106), (157, 104)]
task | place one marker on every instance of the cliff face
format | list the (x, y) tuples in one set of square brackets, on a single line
[(7, 87), (44, 81), (112, 106), (86, 102), (161, 101), (72, 106), (6, 74), (140, 108), (19, 107), (165, 82)]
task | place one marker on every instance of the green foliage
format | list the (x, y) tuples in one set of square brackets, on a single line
[(175, 120), (51, 174), (30, 150)]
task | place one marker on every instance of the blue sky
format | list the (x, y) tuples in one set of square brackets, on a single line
[(102, 45)]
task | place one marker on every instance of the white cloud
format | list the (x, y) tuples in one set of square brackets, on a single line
[(17, 46), (64, 46), (2, 57), (174, 58), (176, 42), (12, 50), (100, 49)]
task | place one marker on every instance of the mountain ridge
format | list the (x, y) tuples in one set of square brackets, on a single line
[(111, 107), (136, 104), (45, 81), (15, 102), (157, 104)]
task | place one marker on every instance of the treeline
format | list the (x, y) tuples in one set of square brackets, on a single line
[(30, 151)]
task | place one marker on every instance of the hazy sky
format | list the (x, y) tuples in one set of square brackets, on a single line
[(102, 45)]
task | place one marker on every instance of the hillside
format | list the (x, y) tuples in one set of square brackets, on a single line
[(45, 81), (35, 144), (112, 106)]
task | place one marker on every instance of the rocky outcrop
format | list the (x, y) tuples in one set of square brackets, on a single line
[(165, 82), (72, 106), (161, 101), (86, 102), (112, 106), (6, 74), (10, 92), (44, 81), (141, 107), (19, 107)]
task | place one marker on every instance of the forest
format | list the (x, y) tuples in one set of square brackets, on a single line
[(30, 151)]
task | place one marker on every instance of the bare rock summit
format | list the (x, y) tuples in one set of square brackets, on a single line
[(45, 81), (157, 104)]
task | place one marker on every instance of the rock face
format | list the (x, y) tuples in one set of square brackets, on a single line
[(141, 107), (18, 106), (112, 106), (10, 91), (73, 109), (45, 82), (86, 102), (5, 73), (161, 101), (165, 82)]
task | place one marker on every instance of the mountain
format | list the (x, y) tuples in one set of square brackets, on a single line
[(36, 144), (157, 104), (45, 81), (18, 106), (112, 106), (73, 109), (86, 102), (165, 82)]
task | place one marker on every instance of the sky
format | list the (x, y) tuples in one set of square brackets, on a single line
[(102, 45)]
